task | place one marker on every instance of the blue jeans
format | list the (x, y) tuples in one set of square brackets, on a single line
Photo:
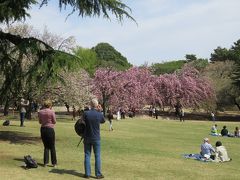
[(87, 151)]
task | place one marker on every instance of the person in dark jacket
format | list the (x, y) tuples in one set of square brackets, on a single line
[(224, 131), (93, 118)]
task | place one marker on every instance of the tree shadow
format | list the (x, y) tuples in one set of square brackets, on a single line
[(201, 116), (18, 137), (65, 171), (14, 125)]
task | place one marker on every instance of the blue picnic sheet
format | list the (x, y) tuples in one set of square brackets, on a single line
[(198, 157)]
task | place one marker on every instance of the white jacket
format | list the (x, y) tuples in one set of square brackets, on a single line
[(221, 154)]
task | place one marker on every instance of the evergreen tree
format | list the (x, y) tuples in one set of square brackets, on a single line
[(108, 56), (46, 60)]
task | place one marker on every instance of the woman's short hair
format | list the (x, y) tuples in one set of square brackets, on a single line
[(47, 103), (218, 143)]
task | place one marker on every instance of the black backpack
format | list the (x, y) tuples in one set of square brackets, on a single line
[(30, 162), (6, 123), (80, 127)]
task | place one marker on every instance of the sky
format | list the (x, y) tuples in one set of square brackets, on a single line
[(166, 30)]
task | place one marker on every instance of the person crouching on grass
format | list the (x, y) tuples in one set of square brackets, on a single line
[(47, 119)]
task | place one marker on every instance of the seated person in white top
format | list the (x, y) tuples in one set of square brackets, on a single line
[(221, 153), (237, 132), (206, 149)]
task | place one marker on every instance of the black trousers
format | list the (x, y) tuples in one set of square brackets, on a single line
[(48, 139)]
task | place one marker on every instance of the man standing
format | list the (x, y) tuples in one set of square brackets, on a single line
[(93, 118), (23, 104), (213, 116)]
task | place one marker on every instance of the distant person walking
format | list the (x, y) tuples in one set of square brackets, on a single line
[(74, 112), (118, 115), (181, 115), (110, 118), (23, 104), (93, 118), (67, 106), (213, 116), (150, 111), (156, 113), (47, 120)]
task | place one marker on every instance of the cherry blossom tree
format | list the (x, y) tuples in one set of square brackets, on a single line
[(106, 84), (195, 88), (137, 87), (126, 89), (75, 89), (133, 89)]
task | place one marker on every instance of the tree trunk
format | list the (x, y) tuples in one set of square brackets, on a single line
[(6, 108), (236, 103), (29, 111), (104, 104)]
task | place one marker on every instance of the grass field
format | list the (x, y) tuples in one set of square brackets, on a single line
[(139, 148)]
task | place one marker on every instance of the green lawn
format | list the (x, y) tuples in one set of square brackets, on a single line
[(139, 148)]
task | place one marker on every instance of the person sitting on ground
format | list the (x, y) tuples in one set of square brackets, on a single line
[(214, 131), (224, 131), (206, 149), (237, 132), (221, 153)]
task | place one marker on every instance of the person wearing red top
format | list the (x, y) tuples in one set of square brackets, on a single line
[(47, 119)]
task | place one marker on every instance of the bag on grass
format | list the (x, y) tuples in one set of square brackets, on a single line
[(30, 162), (80, 127), (6, 123)]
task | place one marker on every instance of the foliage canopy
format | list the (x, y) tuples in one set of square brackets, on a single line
[(108, 56), (15, 10)]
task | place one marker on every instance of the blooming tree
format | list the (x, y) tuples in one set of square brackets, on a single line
[(195, 89), (106, 83), (126, 89), (75, 89), (136, 88)]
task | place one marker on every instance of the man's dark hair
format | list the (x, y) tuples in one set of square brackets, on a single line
[(218, 143)]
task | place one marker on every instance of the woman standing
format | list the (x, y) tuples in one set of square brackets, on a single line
[(47, 120)]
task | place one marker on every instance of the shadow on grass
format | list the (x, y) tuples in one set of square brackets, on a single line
[(22, 160), (14, 125), (65, 171), (202, 116), (18, 137), (18, 159)]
